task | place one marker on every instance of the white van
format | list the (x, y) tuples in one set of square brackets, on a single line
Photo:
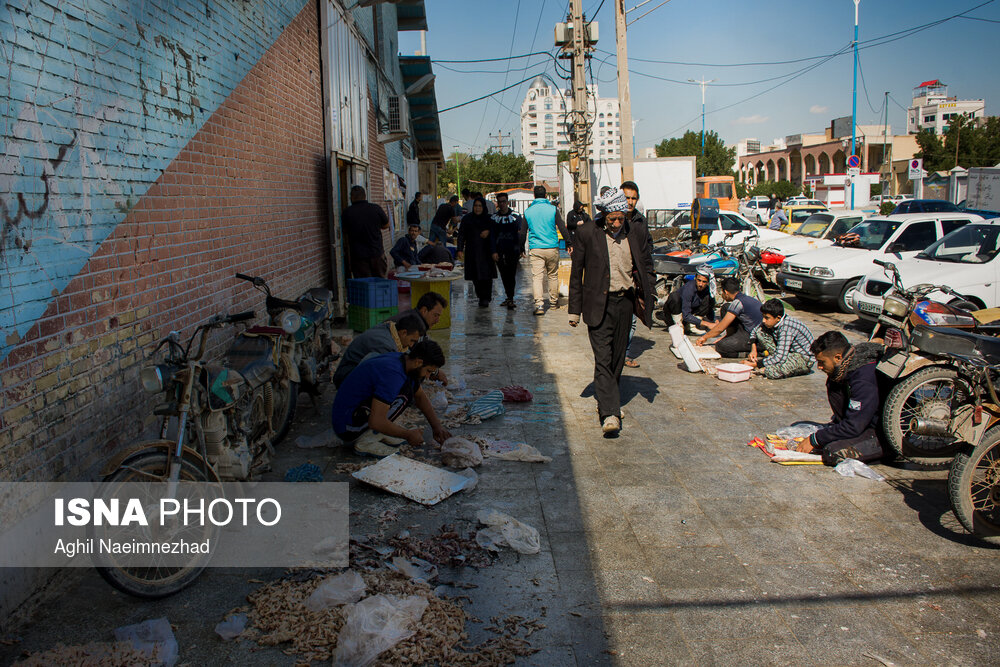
[(832, 273), (966, 260)]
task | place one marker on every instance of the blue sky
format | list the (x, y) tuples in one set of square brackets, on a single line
[(715, 32)]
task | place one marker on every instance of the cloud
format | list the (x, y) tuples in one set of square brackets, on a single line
[(755, 119), (818, 109)]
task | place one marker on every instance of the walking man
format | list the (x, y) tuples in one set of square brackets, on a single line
[(413, 213), (543, 221), (363, 224), (611, 279), (510, 233)]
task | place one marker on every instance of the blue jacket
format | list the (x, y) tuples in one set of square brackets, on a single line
[(543, 219), (854, 401)]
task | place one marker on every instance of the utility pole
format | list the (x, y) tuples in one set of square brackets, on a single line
[(854, 102), (500, 141), (702, 83), (624, 96), (458, 172), (885, 133), (581, 127)]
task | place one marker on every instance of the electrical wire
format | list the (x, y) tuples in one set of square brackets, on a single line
[(481, 97), (864, 86)]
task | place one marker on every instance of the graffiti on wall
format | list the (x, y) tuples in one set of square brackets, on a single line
[(96, 100)]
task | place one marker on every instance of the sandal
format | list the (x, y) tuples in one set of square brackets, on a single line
[(631, 363)]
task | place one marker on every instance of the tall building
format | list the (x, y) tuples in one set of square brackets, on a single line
[(933, 110), (545, 121)]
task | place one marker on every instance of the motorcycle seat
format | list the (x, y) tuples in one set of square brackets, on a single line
[(986, 346), (251, 356)]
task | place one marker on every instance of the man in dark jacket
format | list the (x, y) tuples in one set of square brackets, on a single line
[(692, 304), (511, 233), (413, 213), (574, 219), (442, 219), (611, 279), (404, 253), (363, 223), (852, 390)]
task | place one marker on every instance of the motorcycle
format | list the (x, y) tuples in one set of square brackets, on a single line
[(223, 433), (974, 423), (302, 331), (919, 378)]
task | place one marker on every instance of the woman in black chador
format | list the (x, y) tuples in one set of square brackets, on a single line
[(476, 245)]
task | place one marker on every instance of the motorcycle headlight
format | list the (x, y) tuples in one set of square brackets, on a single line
[(290, 321), (895, 306), (820, 272), (155, 378)]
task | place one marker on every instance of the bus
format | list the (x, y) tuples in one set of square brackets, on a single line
[(722, 188)]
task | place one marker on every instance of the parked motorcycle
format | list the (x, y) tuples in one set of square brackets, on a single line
[(974, 424), (920, 376), (303, 331), (223, 432)]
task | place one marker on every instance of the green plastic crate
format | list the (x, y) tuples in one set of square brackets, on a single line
[(363, 319)]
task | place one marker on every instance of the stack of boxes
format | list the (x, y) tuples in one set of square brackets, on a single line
[(370, 301)]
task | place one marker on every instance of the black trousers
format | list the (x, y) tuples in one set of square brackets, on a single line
[(484, 289), (866, 447), (674, 306), (609, 340), (507, 266), (736, 342)]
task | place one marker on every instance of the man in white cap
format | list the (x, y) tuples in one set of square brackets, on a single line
[(693, 304), (611, 279)]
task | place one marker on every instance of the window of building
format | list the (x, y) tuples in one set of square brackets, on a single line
[(531, 107), (929, 119), (601, 124), (548, 104)]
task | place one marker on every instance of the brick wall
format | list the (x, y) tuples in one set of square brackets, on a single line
[(247, 192)]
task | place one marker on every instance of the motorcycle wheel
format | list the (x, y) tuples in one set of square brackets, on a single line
[(152, 583), (974, 488), (926, 393), (285, 396)]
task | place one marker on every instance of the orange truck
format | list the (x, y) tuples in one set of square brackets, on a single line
[(722, 188)]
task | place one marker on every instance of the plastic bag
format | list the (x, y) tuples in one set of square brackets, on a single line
[(516, 393), (437, 395), (514, 451), (324, 439), (855, 468), (487, 405), (797, 430), (461, 453), (376, 624), (505, 530), (232, 627), (416, 568), (344, 588), (472, 475), (154, 638)]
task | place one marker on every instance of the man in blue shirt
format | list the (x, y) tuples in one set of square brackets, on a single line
[(692, 304), (543, 220), (378, 390), (404, 253), (742, 316)]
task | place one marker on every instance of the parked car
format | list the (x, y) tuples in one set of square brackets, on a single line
[(818, 231), (804, 201), (832, 273), (728, 222), (924, 206), (755, 209), (799, 213), (964, 260)]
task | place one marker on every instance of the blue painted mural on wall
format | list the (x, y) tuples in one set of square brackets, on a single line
[(97, 98)]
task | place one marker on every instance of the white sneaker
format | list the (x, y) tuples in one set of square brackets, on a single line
[(611, 425), (368, 444), (391, 440)]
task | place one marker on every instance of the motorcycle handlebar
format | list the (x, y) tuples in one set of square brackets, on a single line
[(243, 276), (241, 317)]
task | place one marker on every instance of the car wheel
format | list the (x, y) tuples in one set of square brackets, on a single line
[(846, 299)]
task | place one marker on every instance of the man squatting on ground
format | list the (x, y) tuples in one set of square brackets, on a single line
[(692, 304), (852, 389), (404, 253), (742, 316), (375, 393), (780, 346), (430, 307), (611, 278), (388, 336)]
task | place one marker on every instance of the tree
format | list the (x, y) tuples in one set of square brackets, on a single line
[(975, 145), (717, 160), (501, 169), (562, 156), (782, 189)]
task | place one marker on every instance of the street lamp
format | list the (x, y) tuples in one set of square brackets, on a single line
[(702, 83), (854, 101)]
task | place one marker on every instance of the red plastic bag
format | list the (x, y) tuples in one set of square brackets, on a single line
[(516, 393)]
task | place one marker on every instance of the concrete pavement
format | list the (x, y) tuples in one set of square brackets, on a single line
[(674, 544)]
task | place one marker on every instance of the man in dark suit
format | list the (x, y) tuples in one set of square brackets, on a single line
[(611, 279)]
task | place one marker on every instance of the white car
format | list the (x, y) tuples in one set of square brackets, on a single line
[(965, 260), (803, 201), (755, 209), (731, 222), (832, 273), (818, 231)]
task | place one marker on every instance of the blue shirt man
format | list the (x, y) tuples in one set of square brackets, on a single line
[(543, 221)]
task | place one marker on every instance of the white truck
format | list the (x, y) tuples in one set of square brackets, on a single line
[(984, 189), (664, 182)]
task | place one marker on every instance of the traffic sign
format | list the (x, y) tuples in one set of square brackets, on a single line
[(854, 161), (853, 172), (916, 168)]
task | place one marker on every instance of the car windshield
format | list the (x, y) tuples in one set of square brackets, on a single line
[(800, 216), (871, 234), (971, 244), (815, 225)]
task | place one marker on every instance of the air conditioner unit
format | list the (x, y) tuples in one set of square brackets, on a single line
[(399, 114)]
